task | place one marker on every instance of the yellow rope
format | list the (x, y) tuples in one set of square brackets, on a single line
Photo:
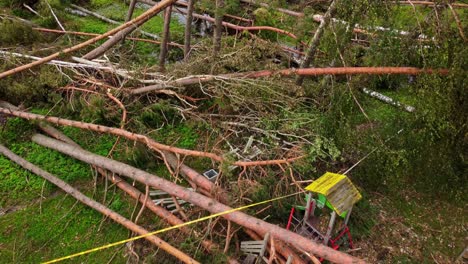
[(167, 229)]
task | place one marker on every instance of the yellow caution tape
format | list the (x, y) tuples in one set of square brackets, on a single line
[(167, 229)]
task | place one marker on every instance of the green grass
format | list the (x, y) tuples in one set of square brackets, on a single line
[(18, 185), (94, 142), (32, 236), (91, 25), (101, 3), (182, 135), (56, 228), (118, 12)]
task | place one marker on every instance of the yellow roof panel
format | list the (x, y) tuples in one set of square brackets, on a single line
[(325, 183), (338, 189)]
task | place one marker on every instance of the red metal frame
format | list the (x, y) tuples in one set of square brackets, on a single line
[(340, 235), (332, 242), (344, 231)]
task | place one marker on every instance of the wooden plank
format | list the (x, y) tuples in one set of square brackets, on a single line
[(265, 244), (260, 242)]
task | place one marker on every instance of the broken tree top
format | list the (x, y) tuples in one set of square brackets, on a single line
[(338, 189)]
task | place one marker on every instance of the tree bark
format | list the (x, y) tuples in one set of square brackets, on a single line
[(198, 179), (259, 226), (124, 32), (108, 20), (282, 10), (388, 100), (138, 20), (94, 34), (287, 72), (316, 40), (188, 29), (428, 3), (131, 8), (97, 206), (218, 31), (165, 38)]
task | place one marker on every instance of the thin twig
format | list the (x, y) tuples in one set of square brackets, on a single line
[(143, 206), (228, 237)]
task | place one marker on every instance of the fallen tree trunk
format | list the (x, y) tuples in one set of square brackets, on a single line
[(259, 226), (124, 32), (84, 64), (97, 206), (138, 137), (198, 179), (388, 100), (287, 72), (94, 34), (218, 24), (310, 58), (345, 71), (429, 3), (166, 35), (188, 29), (131, 8), (282, 10), (458, 21), (300, 14), (130, 190), (219, 193), (188, 172), (143, 17), (367, 29), (110, 21)]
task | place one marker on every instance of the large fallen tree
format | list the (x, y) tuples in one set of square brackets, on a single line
[(300, 14), (137, 137), (287, 72), (97, 206), (48, 30), (128, 188), (314, 44), (209, 245), (211, 205), (132, 191)]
